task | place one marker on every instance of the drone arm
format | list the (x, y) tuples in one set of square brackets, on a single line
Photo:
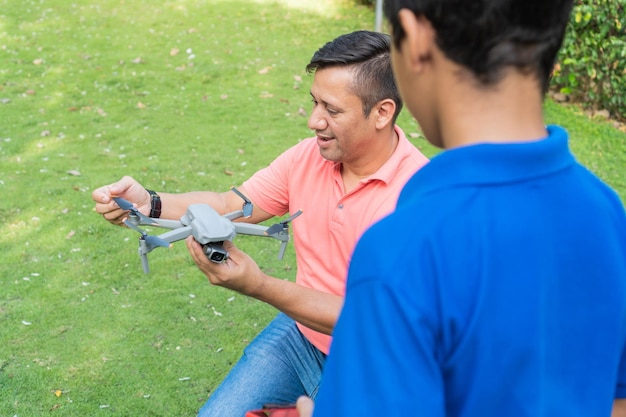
[(149, 221), (176, 234), (234, 215), (166, 224), (250, 229)]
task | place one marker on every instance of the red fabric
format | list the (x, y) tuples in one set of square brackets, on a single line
[(274, 412)]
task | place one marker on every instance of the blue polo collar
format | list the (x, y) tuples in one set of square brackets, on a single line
[(492, 164)]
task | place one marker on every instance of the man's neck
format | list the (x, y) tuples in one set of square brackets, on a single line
[(352, 173)]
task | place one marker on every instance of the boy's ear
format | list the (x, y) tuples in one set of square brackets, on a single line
[(419, 41)]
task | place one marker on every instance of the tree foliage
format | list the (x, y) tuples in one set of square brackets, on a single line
[(591, 68)]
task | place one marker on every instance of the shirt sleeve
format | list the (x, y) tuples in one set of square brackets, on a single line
[(383, 357), (269, 187)]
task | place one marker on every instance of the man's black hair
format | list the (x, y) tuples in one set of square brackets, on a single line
[(367, 54), (489, 36)]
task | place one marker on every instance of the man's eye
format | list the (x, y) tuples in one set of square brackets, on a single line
[(332, 112)]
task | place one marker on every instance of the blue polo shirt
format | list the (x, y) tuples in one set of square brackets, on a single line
[(496, 288)]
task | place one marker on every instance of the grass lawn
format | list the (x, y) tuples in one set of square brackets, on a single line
[(182, 95)]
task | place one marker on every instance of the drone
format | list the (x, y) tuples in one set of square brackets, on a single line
[(207, 226)]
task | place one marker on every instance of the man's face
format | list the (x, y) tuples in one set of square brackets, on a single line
[(343, 133)]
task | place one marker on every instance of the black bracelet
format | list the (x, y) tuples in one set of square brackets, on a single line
[(155, 204)]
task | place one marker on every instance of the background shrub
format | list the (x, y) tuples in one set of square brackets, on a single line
[(592, 64), (591, 68)]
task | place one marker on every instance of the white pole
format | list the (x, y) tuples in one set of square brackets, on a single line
[(379, 15)]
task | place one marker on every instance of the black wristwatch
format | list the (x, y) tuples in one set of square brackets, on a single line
[(155, 204)]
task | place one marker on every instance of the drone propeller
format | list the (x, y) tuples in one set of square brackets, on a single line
[(279, 227), (127, 205), (156, 241), (152, 241), (247, 204)]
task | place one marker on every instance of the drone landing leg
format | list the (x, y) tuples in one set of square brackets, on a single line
[(144, 263)]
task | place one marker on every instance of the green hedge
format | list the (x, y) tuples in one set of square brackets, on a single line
[(591, 68)]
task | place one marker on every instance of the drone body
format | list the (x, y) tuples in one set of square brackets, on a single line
[(207, 226)]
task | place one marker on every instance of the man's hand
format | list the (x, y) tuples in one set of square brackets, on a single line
[(127, 188), (239, 273)]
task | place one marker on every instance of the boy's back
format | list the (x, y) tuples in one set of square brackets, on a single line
[(498, 286), (522, 258)]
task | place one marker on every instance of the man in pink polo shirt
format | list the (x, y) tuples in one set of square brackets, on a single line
[(344, 179)]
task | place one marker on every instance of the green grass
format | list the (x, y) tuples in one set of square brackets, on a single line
[(181, 95)]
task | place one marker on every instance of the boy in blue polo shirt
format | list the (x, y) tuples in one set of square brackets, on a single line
[(498, 286)]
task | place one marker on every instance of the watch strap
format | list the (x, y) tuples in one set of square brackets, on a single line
[(155, 204)]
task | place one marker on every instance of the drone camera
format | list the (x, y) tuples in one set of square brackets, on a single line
[(215, 252)]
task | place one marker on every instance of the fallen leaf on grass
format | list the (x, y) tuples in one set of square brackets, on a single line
[(264, 70), (140, 105), (174, 51), (228, 172), (74, 172)]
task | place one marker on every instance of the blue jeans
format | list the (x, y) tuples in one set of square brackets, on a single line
[(276, 368)]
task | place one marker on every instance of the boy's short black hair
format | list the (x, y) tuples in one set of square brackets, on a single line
[(488, 36)]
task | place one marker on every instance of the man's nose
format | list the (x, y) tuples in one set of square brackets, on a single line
[(317, 120)]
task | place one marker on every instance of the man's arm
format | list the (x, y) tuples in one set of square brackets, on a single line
[(173, 206), (312, 308)]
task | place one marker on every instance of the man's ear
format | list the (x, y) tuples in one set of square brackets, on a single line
[(385, 110), (419, 41)]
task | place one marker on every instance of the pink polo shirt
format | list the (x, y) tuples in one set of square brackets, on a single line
[(326, 233)]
